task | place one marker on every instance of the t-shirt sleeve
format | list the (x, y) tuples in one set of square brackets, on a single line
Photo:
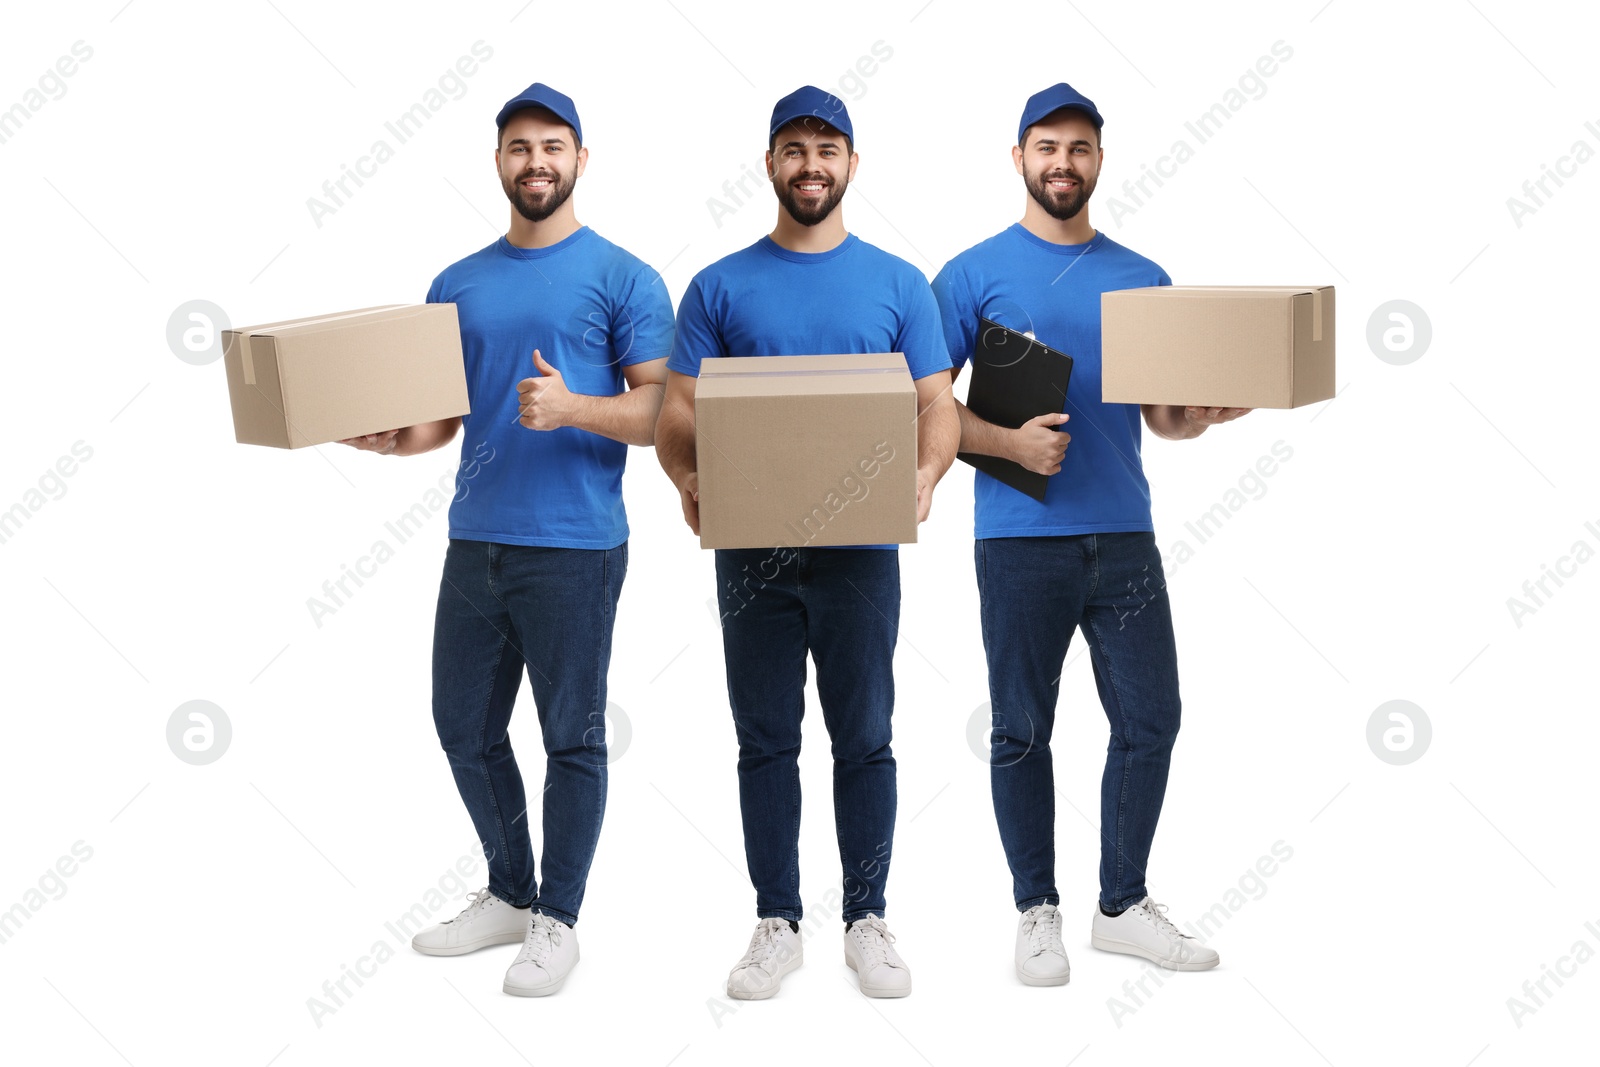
[(645, 329), (957, 315), (697, 336), (921, 338), (436, 291)]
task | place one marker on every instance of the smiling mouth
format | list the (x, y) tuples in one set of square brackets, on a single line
[(537, 185), (1062, 184), (810, 188)]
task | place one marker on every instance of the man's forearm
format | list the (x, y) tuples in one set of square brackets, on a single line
[(938, 435), (629, 417), (675, 447), (425, 437), (980, 436)]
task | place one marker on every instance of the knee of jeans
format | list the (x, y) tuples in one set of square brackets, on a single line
[(460, 743), (591, 752), (462, 735), (1017, 729), (768, 732), (1157, 734), (575, 739), (762, 746), (863, 749), (760, 741)]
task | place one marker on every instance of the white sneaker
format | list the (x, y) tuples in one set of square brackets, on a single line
[(487, 920), (869, 951), (774, 951), (1144, 930), (549, 952), (1041, 957)]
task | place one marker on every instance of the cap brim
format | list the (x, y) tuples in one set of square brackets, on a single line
[(1090, 113), (808, 115), (526, 105)]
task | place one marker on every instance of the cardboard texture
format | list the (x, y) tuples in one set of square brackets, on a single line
[(314, 380), (1244, 346), (806, 451)]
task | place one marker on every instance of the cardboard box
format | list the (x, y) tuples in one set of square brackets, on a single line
[(806, 451), (1242, 346), (311, 381)]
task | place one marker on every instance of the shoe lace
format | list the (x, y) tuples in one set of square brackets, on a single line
[(477, 901), (763, 943), (873, 937), (1158, 915), (543, 934), (1043, 929)]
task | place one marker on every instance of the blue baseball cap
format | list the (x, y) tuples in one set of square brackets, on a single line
[(1046, 102), (810, 102), (541, 95)]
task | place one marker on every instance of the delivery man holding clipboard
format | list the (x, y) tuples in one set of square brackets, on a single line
[(1084, 557)]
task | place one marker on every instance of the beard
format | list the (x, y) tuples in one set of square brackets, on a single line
[(812, 213), (536, 207), (1062, 206)]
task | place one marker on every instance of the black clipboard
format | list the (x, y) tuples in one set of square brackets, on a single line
[(1014, 378)]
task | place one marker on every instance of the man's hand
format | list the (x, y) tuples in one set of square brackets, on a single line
[(1038, 446), (689, 491), (1177, 423), (1200, 418), (381, 443), (544, 402), (925, 483)]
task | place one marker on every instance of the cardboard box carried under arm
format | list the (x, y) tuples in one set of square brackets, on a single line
[(1244, 346), (311, 381), (806, 451)]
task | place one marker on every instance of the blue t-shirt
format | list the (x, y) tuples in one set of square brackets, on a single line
[(590, 308), (765, 300), (1022, 281)]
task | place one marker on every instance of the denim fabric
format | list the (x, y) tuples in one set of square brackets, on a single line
[(1033, 592), (844, 606), (551, 610)]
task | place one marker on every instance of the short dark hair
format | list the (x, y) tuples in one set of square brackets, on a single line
[(849, 145), (500, 131), (1029, 130)]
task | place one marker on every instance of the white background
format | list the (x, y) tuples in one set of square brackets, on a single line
[(175, 564)]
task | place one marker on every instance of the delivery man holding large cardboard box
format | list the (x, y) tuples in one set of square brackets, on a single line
[(555, 321), (811, 288), (1085, 557)]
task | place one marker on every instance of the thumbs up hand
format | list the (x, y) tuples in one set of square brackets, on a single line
[(544, 402)]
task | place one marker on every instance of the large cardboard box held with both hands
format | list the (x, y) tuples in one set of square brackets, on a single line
[(311, 381), (1241, 346), (806, 451)]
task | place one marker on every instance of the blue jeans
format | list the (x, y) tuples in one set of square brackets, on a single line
[(551, 610), (1033, 592), (843, 604)]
